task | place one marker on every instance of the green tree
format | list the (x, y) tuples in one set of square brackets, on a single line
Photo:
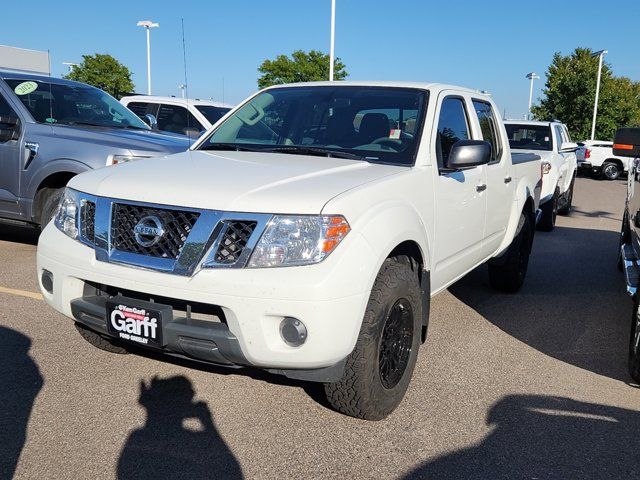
[(569, 94), (105, 72), (300, 67)]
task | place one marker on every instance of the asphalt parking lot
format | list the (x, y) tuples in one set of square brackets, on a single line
[(532, 385)]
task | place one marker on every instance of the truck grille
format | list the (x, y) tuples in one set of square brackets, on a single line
[(177, 225), (234, 239), (87, 221)]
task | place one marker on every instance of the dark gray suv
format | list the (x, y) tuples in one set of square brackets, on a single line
[(52, 130)]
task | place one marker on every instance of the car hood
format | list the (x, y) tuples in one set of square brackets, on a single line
[(234, 181), (137, 141)]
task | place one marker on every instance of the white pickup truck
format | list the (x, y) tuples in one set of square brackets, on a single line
[(305, 235), (596, 157), (552, 142)]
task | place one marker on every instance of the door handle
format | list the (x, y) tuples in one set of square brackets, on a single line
[(507, 179), (481, 187)]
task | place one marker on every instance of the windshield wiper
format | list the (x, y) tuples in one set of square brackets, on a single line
[(228, 146), (323, 152), (82, 123)]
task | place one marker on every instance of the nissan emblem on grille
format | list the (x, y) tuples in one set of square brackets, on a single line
[(148, 231)]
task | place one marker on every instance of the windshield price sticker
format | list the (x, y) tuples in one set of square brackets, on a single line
[(394, 134), (25, 88)]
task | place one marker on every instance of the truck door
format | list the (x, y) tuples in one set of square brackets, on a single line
[(460, 198), (10, 157), (500, 181), (565, 160)]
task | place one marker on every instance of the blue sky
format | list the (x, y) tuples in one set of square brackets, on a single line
[(487, 45)]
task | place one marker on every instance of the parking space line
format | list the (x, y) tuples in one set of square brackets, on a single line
[(21, 293)]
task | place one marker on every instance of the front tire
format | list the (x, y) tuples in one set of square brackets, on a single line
[(610, 171), (634, 342), (48, 198), (549, 212), (566, 208), (378, 371), (507, 272), (99, 341)]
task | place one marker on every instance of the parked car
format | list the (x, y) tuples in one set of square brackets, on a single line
[(52, 130), (552, 142), (289, 240), (177, 115), (627, 145), (596, 158)]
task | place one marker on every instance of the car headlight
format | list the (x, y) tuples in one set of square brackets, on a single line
[(298, 240), (66, 218), (118, 159)]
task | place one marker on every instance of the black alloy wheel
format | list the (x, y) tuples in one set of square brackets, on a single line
[(396, 343)]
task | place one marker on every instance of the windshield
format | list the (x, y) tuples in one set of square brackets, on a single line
[(213, 114), (53, 103), (529, 137), (368, 123)]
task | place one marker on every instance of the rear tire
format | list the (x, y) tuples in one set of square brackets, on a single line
[(625, 237), (610, 171), (507, 272), (634, 343), (549, 212), (378, 371), (566, 208), (99, 341), (48, 198)]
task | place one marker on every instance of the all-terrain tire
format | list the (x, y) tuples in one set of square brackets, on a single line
[(549, 212), (634, 343), (507, 272), (625, 237), (369, 388), (48, 198), (99, 341)]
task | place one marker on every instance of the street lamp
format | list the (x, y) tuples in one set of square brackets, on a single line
[(183, 88), (600, 54), (71, 65), (531, 76), (148, 25), (333, 39)]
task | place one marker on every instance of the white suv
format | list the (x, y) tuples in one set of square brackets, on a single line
[(177, 115)]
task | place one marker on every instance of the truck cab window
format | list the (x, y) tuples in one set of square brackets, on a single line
[(489, 129), (172, 118), (452, 127)]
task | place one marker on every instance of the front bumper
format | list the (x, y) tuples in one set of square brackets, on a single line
[(329, 298)]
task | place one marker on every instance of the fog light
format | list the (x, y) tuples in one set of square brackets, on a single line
[(293, 331), (47, 281)]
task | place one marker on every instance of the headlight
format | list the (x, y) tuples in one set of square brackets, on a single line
[(67, 215), (298, 240), (117, 159)]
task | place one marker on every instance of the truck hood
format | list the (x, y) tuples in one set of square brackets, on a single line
[(137, 141), (234, 181)]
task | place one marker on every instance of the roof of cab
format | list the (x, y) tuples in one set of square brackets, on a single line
[(377, 83), (176, 100), (10, 75), (532, 122)]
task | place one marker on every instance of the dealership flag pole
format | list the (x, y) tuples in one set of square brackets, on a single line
[(333, 39)]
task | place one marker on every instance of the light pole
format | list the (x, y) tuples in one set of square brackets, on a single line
[(600, 55), (332, 57), (148, 25), (531, 76), (183, 89)]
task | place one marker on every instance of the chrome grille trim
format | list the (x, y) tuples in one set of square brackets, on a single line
[(198, 251)]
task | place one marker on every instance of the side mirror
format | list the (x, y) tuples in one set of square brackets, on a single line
[(627, 142), (568, 147), (9, 129), (469, 154), (151, 120)]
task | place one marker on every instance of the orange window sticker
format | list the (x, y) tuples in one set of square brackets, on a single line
[(395, 133)]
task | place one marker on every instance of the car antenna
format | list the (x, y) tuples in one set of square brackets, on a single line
[(50, 92), (186, 83)]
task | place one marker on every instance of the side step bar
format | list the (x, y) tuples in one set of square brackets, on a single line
[(631, 267)]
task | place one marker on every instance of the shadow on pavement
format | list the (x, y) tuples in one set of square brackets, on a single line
[(16, 234), (573, 305), (20, 382), (546, 437), (179, 438)]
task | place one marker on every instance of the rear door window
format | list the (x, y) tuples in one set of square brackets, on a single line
[(453, 125), (489, 128)]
